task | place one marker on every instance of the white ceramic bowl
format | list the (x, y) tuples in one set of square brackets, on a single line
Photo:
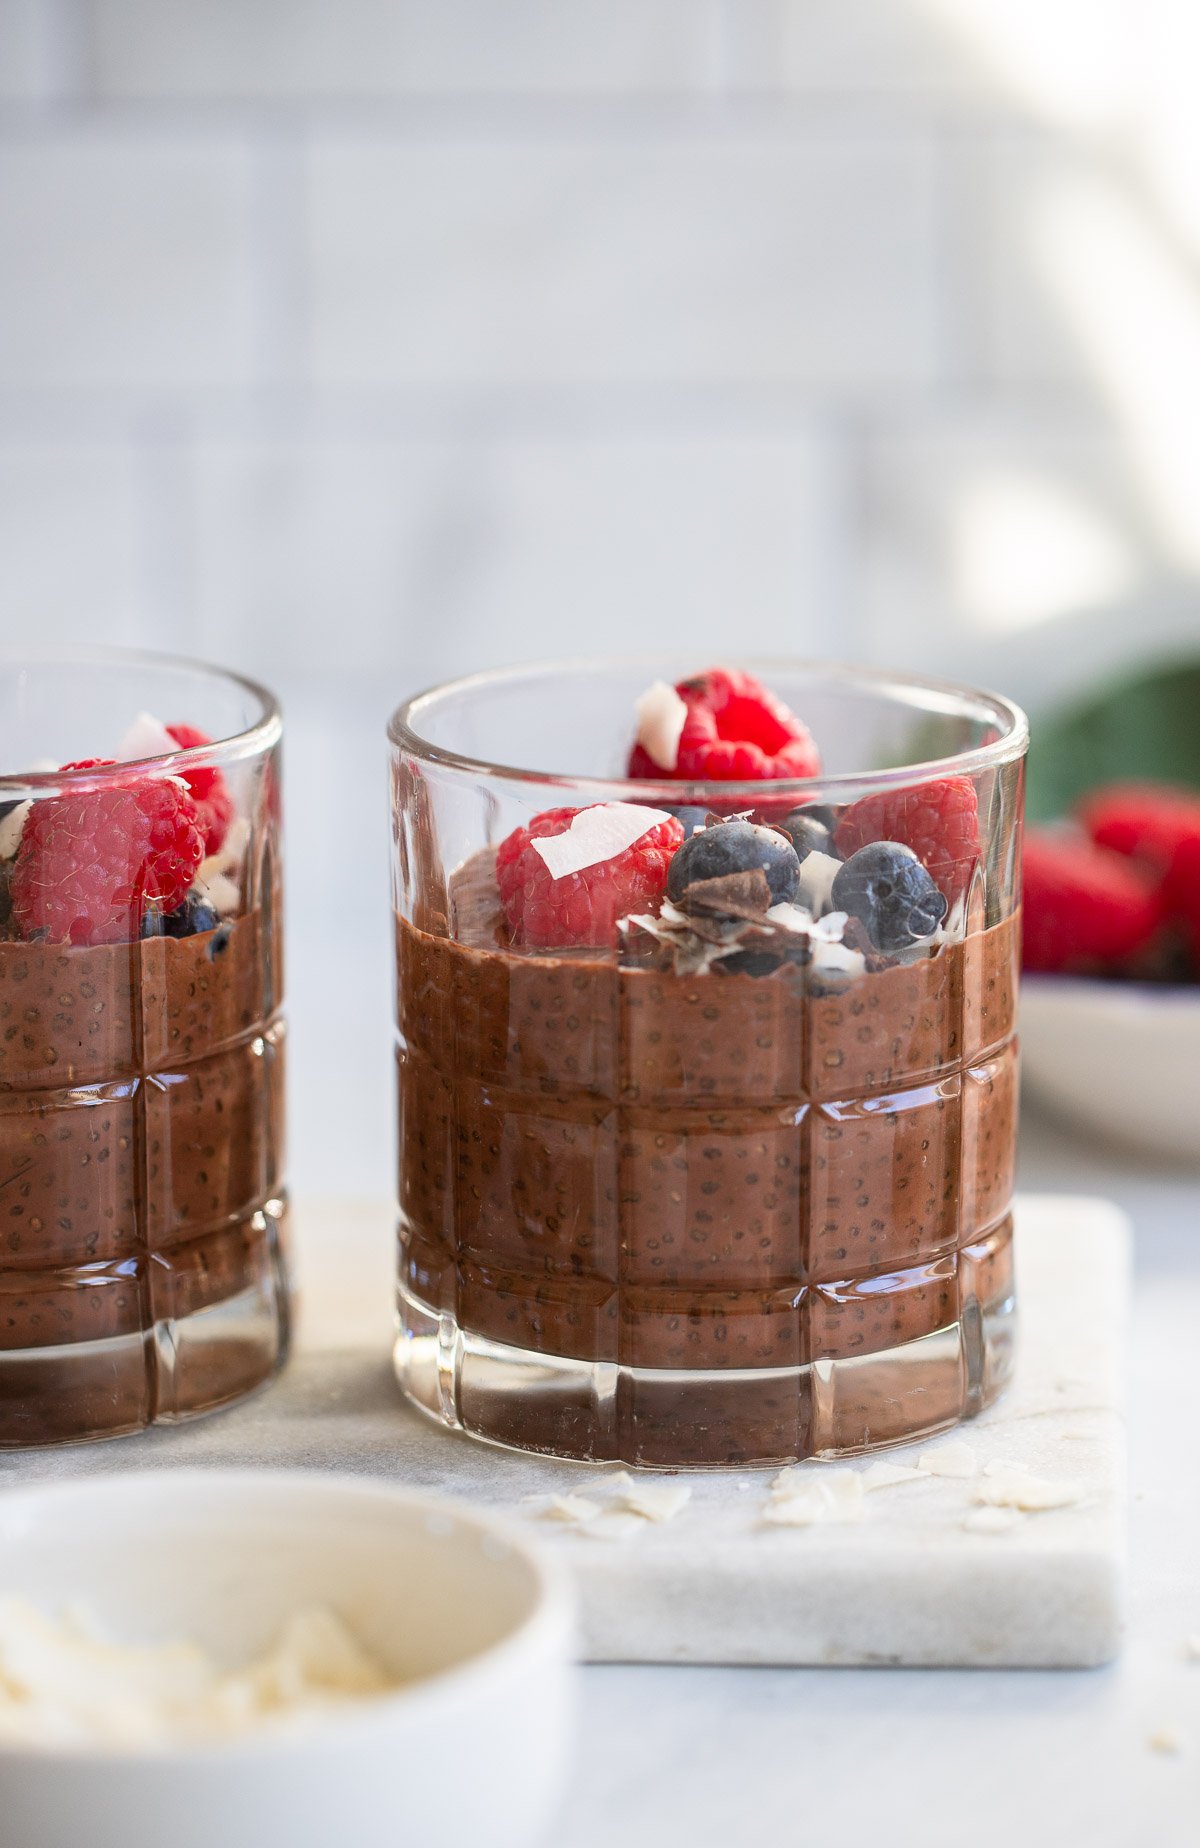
[(473, 1749), (1121, 1059)]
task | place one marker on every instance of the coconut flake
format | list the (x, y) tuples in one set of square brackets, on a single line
[(801, 1499), (596, 834), (566, 1508), (1168, 1740), (817, 874), (146, 737), (12, 826), (661, 716), (837, 962), (654, 1498), (957, 1460), (1008, 1486), (219, 891)]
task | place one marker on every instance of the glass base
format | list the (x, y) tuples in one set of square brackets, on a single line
[(602, 1412), (177, 1368)]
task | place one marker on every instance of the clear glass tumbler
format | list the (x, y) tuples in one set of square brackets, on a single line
[(716, 1187), (143, 1274)]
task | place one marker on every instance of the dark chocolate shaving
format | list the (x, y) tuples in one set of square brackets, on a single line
[(735, 895)]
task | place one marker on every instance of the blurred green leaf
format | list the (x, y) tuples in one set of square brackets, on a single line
[(1143, 726)]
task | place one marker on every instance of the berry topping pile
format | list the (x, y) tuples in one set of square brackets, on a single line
[(1118, 893), (91, 864), (127, 854), (778, 884), (546, 909), (891, 893), (732, 730)]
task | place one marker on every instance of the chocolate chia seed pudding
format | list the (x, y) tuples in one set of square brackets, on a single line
[(619, 1165), (142, 1218), (735, 1188)]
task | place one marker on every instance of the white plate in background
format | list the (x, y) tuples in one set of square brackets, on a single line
[(1120, 1059)]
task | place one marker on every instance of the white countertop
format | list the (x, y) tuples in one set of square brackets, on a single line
[(714, 1757)]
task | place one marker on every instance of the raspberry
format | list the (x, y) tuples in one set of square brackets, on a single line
[(1084, 906), (735, 732), (1181, 893), (210, 791), (1148, 821), (938, 821), (91, 863), (583, 907)]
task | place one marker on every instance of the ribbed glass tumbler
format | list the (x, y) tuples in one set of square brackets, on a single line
[(143, 1273), (687, 1184)]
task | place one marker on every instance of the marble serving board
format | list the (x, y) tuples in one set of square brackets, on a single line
[(909, 1584)]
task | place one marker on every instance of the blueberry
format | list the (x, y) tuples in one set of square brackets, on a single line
[(888, 889), (220, 942), (152, 923), (192, 919), (809, 833), (735, 847), (690, 819)]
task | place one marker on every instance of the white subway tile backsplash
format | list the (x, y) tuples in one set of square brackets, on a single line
[(894, 48), (791, 259), (304, 48), (71, 544), (126, 261), (413, 561), (1016, 331), (24, 51)]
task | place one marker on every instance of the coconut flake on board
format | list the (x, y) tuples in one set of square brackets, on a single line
[(801, 1499), (956, 1460), (570, 1509), (661, 716), (655, 1498), (1008, 1485), (596, 834)]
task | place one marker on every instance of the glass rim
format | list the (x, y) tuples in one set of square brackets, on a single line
[(236, 747), (941, 696)]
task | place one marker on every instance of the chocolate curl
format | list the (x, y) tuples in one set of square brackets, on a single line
[(735, 895)]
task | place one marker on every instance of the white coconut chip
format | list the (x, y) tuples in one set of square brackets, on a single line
[(146, 737), (12, 826), (1008, 1486), (661, 716), (596, 834), (951, 1460), (566, 1508), (1168, 1740), (801, 1499), (655, 1498), (817, 874)]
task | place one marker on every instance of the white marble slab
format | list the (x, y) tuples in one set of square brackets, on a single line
[(909, 1584)]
